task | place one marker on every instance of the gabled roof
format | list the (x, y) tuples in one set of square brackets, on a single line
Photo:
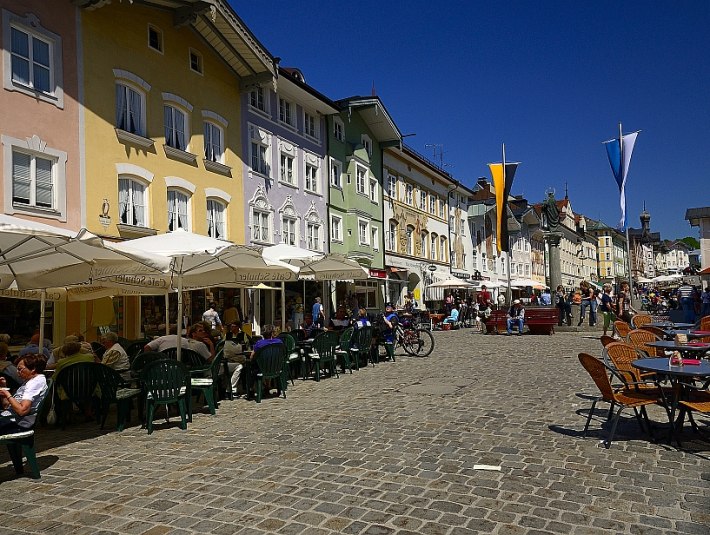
[(694, 215), (375, 115), (295, 86), (223, 30)]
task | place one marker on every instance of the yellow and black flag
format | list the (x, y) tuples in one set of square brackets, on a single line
[(503, 174)]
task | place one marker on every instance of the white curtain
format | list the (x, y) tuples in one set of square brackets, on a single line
[(121, 103)]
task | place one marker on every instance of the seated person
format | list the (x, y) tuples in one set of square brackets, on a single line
[(308, 325), (362, 319), (340, 321), (16, 409), (7, 368), (454, 317), (252, 368), (115, 356), (32, 348), (516, 316), (198, 341), (236, 334), (71, 353)]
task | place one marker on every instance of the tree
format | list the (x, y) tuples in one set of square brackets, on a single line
[(691, 242)]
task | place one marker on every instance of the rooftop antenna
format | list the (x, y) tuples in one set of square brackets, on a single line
[(438, 151)]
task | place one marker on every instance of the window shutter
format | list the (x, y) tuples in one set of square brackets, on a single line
[(21, 177), (44, 193)]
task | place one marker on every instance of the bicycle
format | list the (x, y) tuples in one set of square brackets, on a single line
[(416, 342)]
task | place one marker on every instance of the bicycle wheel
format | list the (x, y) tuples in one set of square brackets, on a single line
[(418, 343)]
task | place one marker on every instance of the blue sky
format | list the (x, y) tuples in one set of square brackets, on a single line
[(551, 79)]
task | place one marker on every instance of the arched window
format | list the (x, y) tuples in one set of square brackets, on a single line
[(434, 246), (425, 244), (410, 240), (215, 219), (392, 236)]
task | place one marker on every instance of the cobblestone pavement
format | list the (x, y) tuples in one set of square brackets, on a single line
[(390, 449)]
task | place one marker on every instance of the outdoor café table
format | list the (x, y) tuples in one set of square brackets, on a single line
[(679, 376), (670, 325), (690, 334), (688, 350)]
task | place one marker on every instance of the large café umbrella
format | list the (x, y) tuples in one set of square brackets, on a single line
[(198, 261), (459, 284), (35, 256)]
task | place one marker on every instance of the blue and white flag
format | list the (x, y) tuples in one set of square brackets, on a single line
[(619, 152)]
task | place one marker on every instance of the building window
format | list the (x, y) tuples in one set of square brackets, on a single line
[(434, 247), (257, 99), (336, 224), (177, 210), (443, 253), (336, 174), (215, 219), (425, 239), (32, 57), (175, 127), (196, 64), (367, 144), (155, 38), (392, 239), (422, 200), (392, 186), (410, 240), (375, 241), (260, 226), (432, 205), (131, 202), (442, 209), (338, 129), (288, 230), (360, 181), (286, 169), (311, 178), (286, 112), (313, 236), (363, 234), (33, 180), (310, 127), (214, 143), (130, 110), (409, 194), (373, 190)]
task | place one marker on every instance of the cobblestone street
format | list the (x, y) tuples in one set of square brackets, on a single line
[(389, 449)]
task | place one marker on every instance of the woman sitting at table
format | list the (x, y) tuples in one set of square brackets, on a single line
[(340, 321), (454, 316), (17, 409)]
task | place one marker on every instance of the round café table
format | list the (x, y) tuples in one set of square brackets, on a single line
[(679, 377), (687, 349)]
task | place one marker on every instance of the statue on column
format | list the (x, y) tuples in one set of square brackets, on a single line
[(550, 213)]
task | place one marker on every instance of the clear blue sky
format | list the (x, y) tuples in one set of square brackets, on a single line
[(551, 79)]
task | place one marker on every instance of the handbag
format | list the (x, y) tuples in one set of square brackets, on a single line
[(52, 413)]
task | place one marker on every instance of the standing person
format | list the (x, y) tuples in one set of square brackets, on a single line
[(212, 317), (231, 314), (318, 314), (562, 306), (686, 296), (390, 320), (623, 303), (589, 300), (705, 298), (607, 306), (516, 316)]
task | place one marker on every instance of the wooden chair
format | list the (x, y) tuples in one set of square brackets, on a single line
[(698, 400), (660, 333), (22, 443), (622, 329), (599, 372), (704, 323), (640, 319), (639, 337), (622, 355)]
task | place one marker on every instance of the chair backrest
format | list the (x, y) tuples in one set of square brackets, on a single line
[(123, 342), (364, 338), (215, 365), (290, 342), (599, 372), (705, 323), (622, 355), (219, 345), (164, 379), (640, 319), (638, 339), (325, 344), (135, 347), (299, 334), (346, 338), (142, 359), (79, 380), (660, 333), (271, 359), (109, 381), (606, 340), (622, 328), (316, 332), (188, 356)]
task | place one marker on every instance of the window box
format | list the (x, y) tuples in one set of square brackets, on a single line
[(134, 139), (180, 155), (131, 231), (217, 167)]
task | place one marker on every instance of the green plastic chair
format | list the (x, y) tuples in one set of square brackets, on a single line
[(363, 343), (209, 384), (135, 347), (345, 350), (115, 390), (191, 359), (166, 382), (80, 385), (293, 356), (21, 444), (323, 355), (271, 362), (142, 360)]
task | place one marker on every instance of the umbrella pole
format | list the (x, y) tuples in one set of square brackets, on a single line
[(179, 319), (283, 306), (42, 306), (167, 313)]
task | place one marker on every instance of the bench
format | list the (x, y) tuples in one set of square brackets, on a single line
[(539, 320)]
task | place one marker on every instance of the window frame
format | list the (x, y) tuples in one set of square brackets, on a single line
[(375, 237), (392, 186), (160, 49), (360, 183), (374, 197), (311, 180), (288, 220), (337, 167), (313, 237), (311, 125), (258, 96), (366, 143), (336, 234), (285, 157), (392, 241), (30, 25), (133, 180), (287, 112), (258, 214), (186, 127), (223, 205), (360, 223), (175, 218), (339, 129), (200, 61)]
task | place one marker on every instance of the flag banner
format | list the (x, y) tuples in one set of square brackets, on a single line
[(502, 182), (615, 148)]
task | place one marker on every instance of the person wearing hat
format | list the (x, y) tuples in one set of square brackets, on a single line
[(390, 320), (516, 316)]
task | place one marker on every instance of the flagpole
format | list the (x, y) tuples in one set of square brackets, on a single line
[(504, 221), (628, 241)]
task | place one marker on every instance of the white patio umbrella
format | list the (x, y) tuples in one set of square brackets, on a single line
[(198, 261), (453, 284), (524, 283), (35, 256), (643, 280)]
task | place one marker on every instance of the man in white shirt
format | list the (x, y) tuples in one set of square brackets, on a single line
[(115, 356), (198, 341)]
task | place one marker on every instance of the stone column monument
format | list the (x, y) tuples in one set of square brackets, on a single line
[(550, 224)]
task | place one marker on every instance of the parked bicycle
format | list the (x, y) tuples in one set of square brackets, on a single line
[(417, 342)]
